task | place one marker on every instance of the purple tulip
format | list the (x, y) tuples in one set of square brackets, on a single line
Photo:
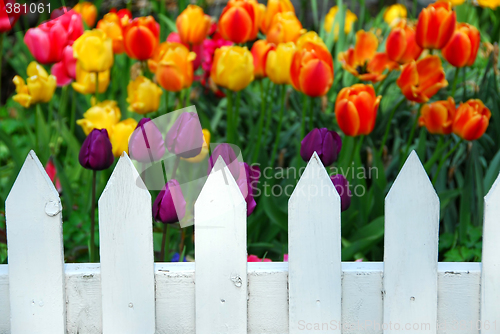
[(230, 159), (170, 206), (247, 182), (342, 186), (146, 142), (96, 152), (326, 143), (185, 137)]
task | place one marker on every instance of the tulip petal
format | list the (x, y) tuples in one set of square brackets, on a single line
[(366, 46), (347, 117), (59, 71), (316, 78)]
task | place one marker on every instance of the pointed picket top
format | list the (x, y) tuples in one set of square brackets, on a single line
[(490, 275), (35, 252), (219, 194), (126, 250), (221, 255), (411, 249), (314, 250)]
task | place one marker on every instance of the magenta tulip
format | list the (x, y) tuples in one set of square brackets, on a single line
[(185, 137), (325, 143), (96, 152), (170, 206), (229, 156), (247, 182), (65, 70), (146, 142)]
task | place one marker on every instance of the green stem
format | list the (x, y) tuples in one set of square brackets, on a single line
[(165, 98), (73, 112), (269, 111), (230, 121), (96, 93), (464, 96), (188, 95), (280, 121), (388, 127), (412, 134), (443, 160), (311, 113), (437, 152), (304, 112), (263, 98), (237, 111), (164, 244), (92, 249), (455, 80)]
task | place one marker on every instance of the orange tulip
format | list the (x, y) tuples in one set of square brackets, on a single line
[(111, 24), (422, 79), (88, 11), (356, 109), (312, 69), (274, 7), (363, 61), (462, 48), (240, 20), (193, 25), (438, 116), (260, 50), (435, 25), (174, 69), (471, 120), (285, 27), (141, 37), (401, 46)]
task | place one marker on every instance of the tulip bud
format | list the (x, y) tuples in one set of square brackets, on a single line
[(39, 86), (312, 69), (462, 48), (8, 19), (143, 95), (260, 51), (103, 115), (185, 137), (279, 62), (193, 25), (86, 81), (112, 26), (240, 20), (88, 11), (94, 51), (356, 109), (435, 25), (232, 67), (121, 134), (229, 156), (247, 182), (170, 206), (401, 46), (350, 18), (342, 186), (438, 116), (146, 142), (325, 143), (65, 70), (394, 13), (284, 28), (140, 37), (173, 65), (274, 7), (96, 152), (471, 120), (204, 149), (422, 79)]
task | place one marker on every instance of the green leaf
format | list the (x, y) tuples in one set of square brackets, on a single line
[(170, 24)]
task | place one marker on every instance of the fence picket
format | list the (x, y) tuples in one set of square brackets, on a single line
[(126, 250), (36, 254), (490, 278), (411, 251), (314, 252), (220, 252)]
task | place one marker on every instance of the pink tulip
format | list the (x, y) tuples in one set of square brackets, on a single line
[(7, 20), (47, 41), (65, 70), (255, 258)]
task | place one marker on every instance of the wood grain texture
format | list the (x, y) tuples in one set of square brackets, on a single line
[(35, 251), (490, 293), (411, 251), (458, 291), (221, 255), (314, 252), (126, 251)]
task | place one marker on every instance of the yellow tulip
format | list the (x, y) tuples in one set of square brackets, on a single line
[(88, 11), (493, 4), (40, 86), (279, 62), (456, 2), (309, 37), (232, 67), (349, 20), (394, 13), (143, 95), (103, 115), (204, 148), (121, 135), (94, 51), (85, 81)]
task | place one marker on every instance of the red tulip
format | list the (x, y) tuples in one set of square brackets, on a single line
[(462, 48), (401, 46), (8, 18), (435, 25), (141, 37)]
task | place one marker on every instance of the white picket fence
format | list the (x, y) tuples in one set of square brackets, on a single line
[(220, 293)]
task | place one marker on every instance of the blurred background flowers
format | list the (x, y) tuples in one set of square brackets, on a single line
[(360, 82)]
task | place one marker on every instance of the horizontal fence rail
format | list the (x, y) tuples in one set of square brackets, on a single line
[(221, 293)]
